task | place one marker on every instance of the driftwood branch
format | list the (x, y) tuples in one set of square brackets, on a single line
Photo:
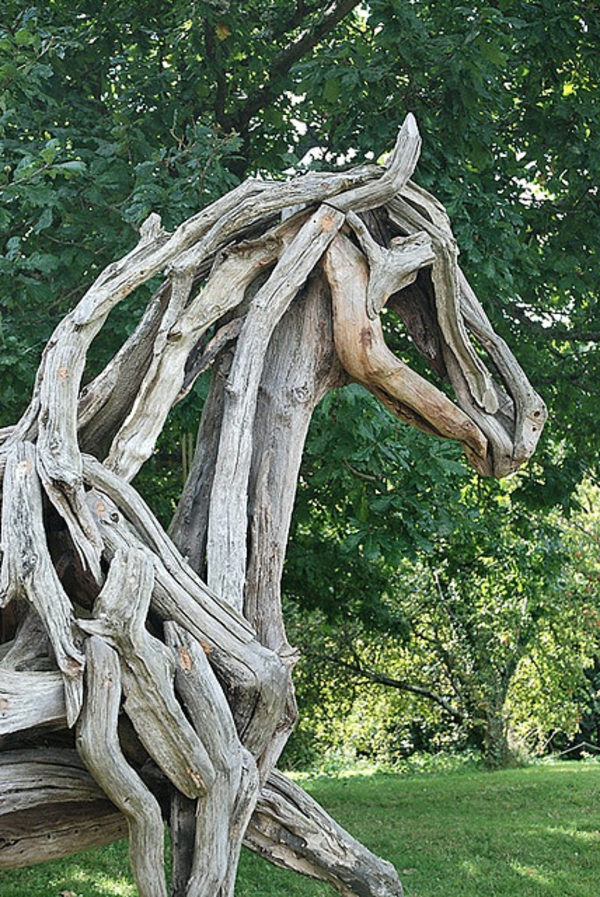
[(222, 814), (226, 546), (291, 830), (99, 748), (148, 670), (27, 570)]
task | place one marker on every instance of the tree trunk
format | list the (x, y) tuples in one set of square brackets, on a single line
[(160, 665)]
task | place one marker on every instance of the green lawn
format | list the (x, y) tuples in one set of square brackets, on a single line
[(531, 832)]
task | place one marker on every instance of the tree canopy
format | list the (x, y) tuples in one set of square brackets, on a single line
[(109, 112)]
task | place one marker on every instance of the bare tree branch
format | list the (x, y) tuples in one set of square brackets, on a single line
[(371, 675), (285, 59)]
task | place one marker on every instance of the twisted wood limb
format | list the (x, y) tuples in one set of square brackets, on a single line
[(27, 570), (48, 803), (253, 677), (414, 210), (227, 527), (292, 830), (364, 354), (98, 746), (148, 670), (223, 813), (183, 324), (30, 649), (28, 700)]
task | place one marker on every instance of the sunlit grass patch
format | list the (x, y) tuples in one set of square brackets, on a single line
[(531, 832)]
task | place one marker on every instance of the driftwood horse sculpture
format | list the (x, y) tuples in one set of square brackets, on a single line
[(148, 676)]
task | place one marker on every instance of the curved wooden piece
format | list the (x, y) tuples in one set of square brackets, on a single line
[(222, 814), (364, 354), (227, 526), (27, 570), (254, 678), (99, 748), (291, 830), (148, 669)]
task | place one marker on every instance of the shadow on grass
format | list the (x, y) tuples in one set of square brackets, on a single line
[(532, 832)]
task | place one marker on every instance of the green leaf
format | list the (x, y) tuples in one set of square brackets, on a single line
[(74, 167), (24, 38), (332, 90), (44, 221)]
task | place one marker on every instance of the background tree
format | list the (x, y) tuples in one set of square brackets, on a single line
[(109, 114), (450, 622)]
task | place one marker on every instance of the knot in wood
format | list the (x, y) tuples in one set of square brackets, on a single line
[(74, 669), (24, 467), (197, 780), (185, 660), (366, 337), (174, 336), (28, 563), (301, 394)]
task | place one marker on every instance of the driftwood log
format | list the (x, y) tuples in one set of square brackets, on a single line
[(145, 677)]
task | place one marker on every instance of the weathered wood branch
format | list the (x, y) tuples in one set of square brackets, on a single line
[(362, 350), (30, 649), (98, 746), (148, 670), (181, 327), (49, 803), (401, 166), (27, 570), (415, 210), (528, 408), (105, 402), (390, 270), (253, 676), (291, 830), (227, 528), (222, 815), (28, 700)]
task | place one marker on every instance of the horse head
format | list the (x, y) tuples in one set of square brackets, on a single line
[(403, 257)]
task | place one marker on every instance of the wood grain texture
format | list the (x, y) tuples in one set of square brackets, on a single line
[(98, 746)]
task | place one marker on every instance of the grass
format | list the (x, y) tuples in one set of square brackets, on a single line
[(532, 832)]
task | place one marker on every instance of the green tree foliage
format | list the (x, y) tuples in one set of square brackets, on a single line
[(96, 134), (484, 635), (556, 695), (506, 95), (110, 111)]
